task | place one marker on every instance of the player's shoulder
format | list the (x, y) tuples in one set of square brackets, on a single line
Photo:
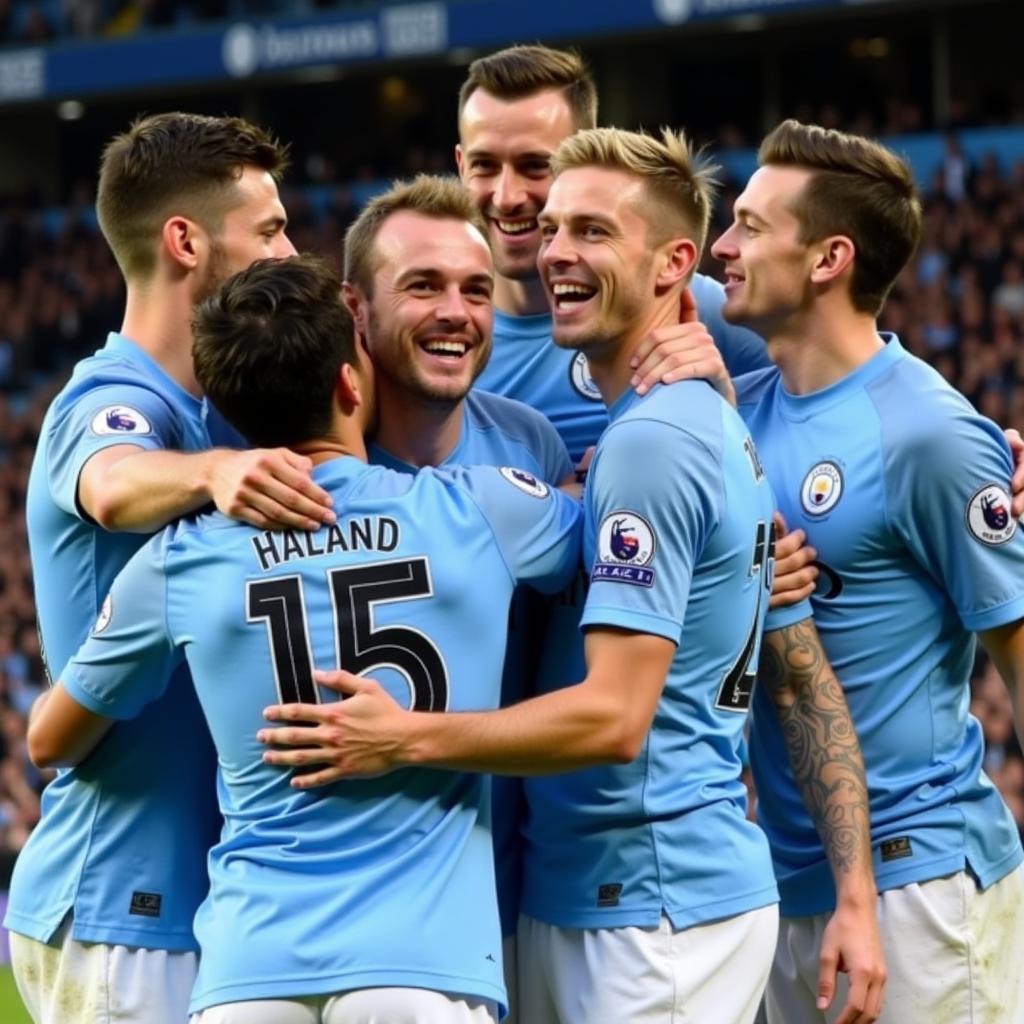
[(920, 412), (667, 423), (108, 374), (516, 420), (487, 409), (756, 386)]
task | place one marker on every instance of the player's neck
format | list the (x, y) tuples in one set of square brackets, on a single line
[(323, 449), (609, 361), (520, 298), (158, 321), (820, 348), (414, 430)]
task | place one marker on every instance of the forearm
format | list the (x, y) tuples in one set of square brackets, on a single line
[(557, 732), (1005, 646), (824, 752), (143, 492)]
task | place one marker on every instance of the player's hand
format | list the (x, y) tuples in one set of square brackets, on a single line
[(796, 575), (1016, 443), (851, 943), (269, 488), (359, 736), (680, 352), (583, 466)]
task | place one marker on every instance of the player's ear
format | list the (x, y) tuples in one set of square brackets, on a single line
[(676, 259), (834, 257), (460, 160), (184, 242), (355, 303), (349, 387)]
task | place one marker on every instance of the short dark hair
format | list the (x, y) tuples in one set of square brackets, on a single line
[(521, 71), (268, 347), (440, 196), (175, 163), (857, 188)]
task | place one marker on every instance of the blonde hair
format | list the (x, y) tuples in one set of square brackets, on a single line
[(442, 197), (679, 182)]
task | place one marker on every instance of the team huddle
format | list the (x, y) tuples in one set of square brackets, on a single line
[(406, 629)]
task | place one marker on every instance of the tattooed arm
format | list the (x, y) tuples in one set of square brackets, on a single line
[(824, 754)]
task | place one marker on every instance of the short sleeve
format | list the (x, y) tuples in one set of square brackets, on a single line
[(101, 418), (649, 525), (948, 500), (128, 658), (538, 528), (783, 618)]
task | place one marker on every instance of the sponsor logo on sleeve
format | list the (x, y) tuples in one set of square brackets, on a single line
[(582, 382), (822, 488), (988, 515), (103, 619), (625, 549), (120, 419), (526, 482)]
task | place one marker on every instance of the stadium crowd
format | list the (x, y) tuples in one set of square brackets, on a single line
[(960, 306)]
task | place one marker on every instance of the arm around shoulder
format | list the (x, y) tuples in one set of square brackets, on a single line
[(602, 720)]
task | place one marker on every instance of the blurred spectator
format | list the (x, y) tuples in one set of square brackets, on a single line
[(955, 170)]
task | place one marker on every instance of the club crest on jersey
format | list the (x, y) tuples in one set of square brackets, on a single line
[(103, 619), (625, 547), (822, 488), (526, 482), (579, 374), (119, 419), (988, 515)]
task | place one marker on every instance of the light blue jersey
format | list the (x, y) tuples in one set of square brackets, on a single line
[(678, 537), (378, 882), (526, 364), (498, 431), (900, 486), (123, 838)]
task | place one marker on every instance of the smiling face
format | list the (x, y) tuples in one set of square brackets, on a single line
[(504, 160), (767, 267), (428, 322), (595, 259)]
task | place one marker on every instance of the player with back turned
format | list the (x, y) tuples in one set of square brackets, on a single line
[(372, 900)]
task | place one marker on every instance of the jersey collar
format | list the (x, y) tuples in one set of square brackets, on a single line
[(800, 407)]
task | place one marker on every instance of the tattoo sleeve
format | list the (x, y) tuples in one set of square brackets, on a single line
[(822, 744)]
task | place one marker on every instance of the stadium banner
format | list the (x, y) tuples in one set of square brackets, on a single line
[(248, 48)]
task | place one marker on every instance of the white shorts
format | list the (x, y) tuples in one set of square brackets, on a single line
[(708, 973), (92, 983), (360, 1006), (954, 953)]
